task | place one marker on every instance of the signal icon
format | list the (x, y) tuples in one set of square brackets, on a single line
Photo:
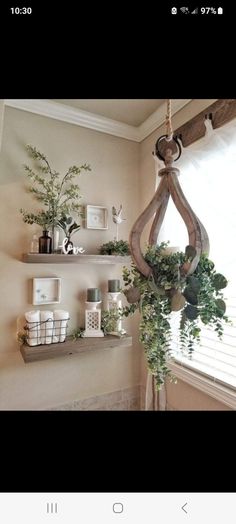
[(184, 10), (195, 11)]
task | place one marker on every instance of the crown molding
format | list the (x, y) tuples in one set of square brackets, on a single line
[(99, 123), (75, 116)]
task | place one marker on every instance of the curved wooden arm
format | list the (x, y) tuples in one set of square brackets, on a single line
[(197, 234), (157, 205), (169, 185)]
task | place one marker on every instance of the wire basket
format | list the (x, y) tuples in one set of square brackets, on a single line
[(49, 331)]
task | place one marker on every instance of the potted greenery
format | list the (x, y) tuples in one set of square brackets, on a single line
[(116, 247), (57, 193), (198, 297), (69, 227)]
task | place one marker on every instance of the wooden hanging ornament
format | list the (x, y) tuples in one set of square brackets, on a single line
[(169, 185)]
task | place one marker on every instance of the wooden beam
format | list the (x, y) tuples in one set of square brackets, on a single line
[(221, 112)]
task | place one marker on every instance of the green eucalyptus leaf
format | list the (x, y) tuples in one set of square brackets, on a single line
[(190, 252), (194, 283), (219, 281), (73, 227), (177, 302), (161, 291), (221, 306), (155, 288), (191, 312), (152, 285), (190, 296)]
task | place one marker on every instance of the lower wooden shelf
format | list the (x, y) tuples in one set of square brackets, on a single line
[(72, 347)]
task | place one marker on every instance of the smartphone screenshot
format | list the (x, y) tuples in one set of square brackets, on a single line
[(118, 280), (117, 263)]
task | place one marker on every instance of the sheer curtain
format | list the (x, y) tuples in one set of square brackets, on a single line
[(208, 179)]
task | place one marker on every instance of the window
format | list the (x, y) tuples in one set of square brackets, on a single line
[(208, 179)]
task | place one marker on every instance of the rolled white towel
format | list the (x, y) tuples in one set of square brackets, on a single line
[(60, 323), (33, 326), (46, 328)]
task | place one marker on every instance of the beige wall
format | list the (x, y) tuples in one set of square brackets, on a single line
[(113, 180), (1, 120), (182, 396)]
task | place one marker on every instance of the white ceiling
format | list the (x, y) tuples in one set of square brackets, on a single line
[(129, 111)]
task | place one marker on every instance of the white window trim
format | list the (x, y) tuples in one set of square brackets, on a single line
[(219, 392)]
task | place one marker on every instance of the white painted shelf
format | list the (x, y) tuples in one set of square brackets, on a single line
[(72, 347), (39, 258)]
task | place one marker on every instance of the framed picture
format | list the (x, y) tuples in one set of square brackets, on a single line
[(96, 217), (46, 291)]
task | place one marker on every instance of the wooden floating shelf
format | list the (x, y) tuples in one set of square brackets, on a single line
[(39, 258), (72, 347)]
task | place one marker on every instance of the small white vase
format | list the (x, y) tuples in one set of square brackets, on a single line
[(55, 238)]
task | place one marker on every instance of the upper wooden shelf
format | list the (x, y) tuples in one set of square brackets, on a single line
[(39, 258), (72, 347)]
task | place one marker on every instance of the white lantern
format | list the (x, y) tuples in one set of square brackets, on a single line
[(93, 314)]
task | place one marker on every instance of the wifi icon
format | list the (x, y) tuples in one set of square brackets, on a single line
[(195, 11), (184, 10)]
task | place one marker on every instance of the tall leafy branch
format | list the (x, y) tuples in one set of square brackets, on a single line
[(57, 193)]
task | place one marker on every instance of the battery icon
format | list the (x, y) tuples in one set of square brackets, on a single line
[(220, 10)]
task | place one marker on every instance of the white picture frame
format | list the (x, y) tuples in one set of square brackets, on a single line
[(46, 291), (96, 217)]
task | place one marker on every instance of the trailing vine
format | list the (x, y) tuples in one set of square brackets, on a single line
[(198, 297)]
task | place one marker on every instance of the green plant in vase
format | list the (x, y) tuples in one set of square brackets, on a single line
[(198, 297), (109, 321), (69, 227), (57, 193), (116, 247)]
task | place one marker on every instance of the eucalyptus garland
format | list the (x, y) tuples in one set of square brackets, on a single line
[(198, 297)]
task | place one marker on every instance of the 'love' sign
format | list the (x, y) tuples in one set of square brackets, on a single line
[(66, 250)]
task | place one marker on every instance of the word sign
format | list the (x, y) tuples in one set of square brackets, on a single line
[(67, 250)]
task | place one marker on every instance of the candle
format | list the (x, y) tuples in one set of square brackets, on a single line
[(113, 286), (93, 294)]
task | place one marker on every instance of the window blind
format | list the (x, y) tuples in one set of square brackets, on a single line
[(213, 357)]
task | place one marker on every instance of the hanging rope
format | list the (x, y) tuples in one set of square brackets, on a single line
[(169, 129)]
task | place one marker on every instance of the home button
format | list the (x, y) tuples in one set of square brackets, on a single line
[(118, 507)]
